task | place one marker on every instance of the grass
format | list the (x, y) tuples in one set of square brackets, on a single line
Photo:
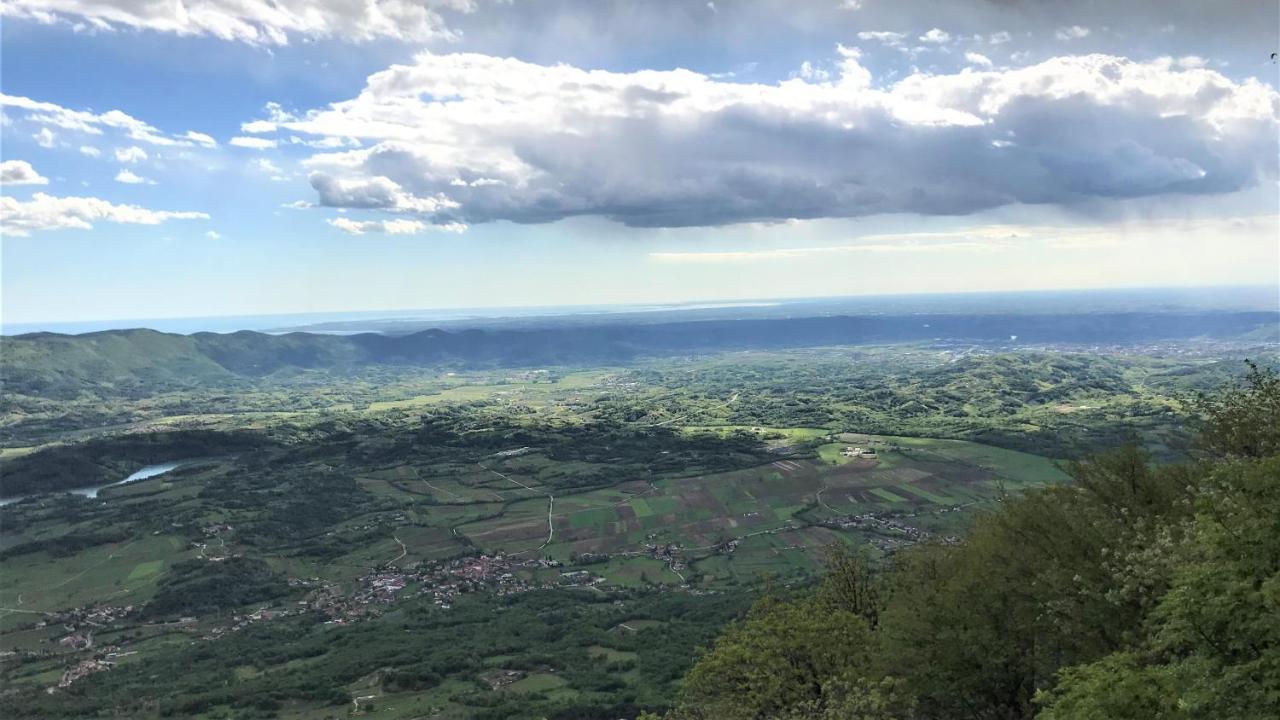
[(788, 433), (537, 683), (767, 509), (600, 652), (830, 453), (597, 518), (1018, 467), (705, 511), (888, 495), (119, 573), (146, 569), (635, 572)]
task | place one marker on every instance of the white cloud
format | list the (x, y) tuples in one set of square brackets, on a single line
[(257, 22), (892, 39), (253, 143), (129, 178), (391, 227), (937, 36), (1073, 32), (329, 143), (52, 115), (999, 38), (46, 212), (131, 155), (258, 126), (677, 148), (268, 168), (20, 172), (45, 138), (212, 235), (808, 71), (90, 150), (974, 58), (380, 193), (200, 139)]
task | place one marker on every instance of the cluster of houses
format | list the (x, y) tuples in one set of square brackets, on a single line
[(859, 452), (103, 660), (877, 523), (240, 622), (889, 532), (79, 670), (442, 582), (668, 554)]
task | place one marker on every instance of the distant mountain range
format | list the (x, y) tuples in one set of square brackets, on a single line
[(142, 362)]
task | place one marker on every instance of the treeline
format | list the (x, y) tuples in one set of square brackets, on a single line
[(106, 460), (1137, 591), (198, 587)]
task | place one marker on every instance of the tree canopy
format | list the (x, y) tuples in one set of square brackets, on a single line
[(1136, 592)]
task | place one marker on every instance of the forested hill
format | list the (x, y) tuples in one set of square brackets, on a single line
[(53, 365), (1134, 592)]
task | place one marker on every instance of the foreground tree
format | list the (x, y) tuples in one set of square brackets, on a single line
[(782, 657), (1213, 648), (1132, 593)]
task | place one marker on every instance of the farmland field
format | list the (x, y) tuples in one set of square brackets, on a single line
[(611, 520), (701, 514)]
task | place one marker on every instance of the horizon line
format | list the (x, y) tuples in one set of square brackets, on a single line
[(22, 328)]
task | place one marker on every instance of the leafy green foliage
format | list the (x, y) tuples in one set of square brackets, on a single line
[(781, 656), (103, 460), (197, 587), (1243, 421), (1136, 592)]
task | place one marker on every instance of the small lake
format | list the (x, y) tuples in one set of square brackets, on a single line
[(149, 471)]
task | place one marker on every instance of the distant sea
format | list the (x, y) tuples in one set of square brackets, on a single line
[(401, 321), (293, 321)]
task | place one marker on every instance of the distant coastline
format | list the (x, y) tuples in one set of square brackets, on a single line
[(1229, 298)]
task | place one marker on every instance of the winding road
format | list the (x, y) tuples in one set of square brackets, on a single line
[(403, 550), (551, 504)]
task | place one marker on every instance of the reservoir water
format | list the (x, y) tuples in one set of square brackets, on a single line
[(149, 471)]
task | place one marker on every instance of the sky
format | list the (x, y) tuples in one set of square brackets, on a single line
[(236, 157)]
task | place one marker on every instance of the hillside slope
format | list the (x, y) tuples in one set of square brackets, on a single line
[(130, 363)]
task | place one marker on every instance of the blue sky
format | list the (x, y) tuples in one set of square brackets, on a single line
[(301, 157)]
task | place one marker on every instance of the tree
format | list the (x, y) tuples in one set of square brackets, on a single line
[(851, 583), (782, 656), (1242, 421), (1213, 650)]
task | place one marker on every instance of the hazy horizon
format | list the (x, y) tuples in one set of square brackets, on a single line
[(1234, 297)]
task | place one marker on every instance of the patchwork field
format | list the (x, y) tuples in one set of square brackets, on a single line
[(778, 513), (709, 528)]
